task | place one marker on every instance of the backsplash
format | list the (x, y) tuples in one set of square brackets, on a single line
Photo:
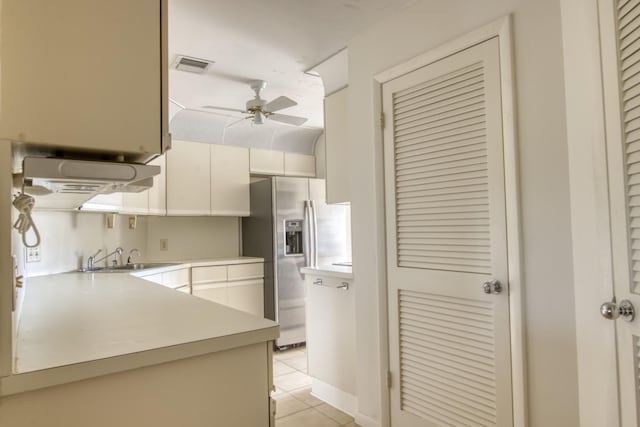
[(192, 238), (69, 238)]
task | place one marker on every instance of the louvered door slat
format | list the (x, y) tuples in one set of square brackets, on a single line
[(421, 132), (628, 21), (445, 211)]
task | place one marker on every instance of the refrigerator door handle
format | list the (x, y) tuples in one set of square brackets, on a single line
[(313, 258), (306, 234)]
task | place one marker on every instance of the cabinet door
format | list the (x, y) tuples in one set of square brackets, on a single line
[(337, 148), (188, 179), (135, 203), (158, 193), (331, 331), (215, 292), (267, 162), (104, 84), (247, 296), (299, 165), (229, 180)]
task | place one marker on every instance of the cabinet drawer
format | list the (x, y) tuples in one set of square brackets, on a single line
[(217, 273), (246, 271)]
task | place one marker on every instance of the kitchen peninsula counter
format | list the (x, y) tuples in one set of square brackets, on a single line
[(76, 326)]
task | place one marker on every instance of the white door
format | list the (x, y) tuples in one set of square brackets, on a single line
[(621, 71), (446, 243)]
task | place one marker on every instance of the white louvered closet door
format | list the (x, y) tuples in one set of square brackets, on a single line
[(446, 237), (621, 70)]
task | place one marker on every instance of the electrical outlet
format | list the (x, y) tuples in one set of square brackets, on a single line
[(164, 244), (33, 254), (132, 222)]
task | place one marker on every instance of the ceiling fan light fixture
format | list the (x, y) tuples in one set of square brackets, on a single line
[(258, 118)]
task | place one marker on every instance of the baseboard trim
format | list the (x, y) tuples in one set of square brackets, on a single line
[(335, 397), (364, 421)]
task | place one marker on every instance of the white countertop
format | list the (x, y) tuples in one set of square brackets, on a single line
[(340, 271), (80, 325)]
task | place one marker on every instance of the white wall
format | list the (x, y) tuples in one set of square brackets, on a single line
[(69, 238), (193, 237), (550, 325)]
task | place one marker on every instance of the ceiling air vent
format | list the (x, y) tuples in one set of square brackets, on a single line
[(190, 64)]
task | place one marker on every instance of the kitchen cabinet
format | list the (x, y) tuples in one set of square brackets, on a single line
[(85, 75), (222, 387), (299, 165), (179, 279), (158, 193), (271, 162), (229, 180), (135, 203), (266, 162), (337, 168), (240, 286), (207, 179), (189, 179), (331, 337)]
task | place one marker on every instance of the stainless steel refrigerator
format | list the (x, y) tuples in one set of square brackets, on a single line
[(291, 226)]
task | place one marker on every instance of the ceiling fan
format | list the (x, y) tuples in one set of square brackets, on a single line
[(259, 109)]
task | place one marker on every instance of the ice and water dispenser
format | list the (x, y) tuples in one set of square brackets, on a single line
[(293, 237)]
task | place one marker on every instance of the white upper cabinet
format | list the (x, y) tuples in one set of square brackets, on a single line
[(229, 180), (271, 162), (299, 165), (337, 147), (266, 162), (158, 193), (189, 179), (135, 203), (87, 75)]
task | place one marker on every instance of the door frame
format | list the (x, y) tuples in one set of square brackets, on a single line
[(585, 80), (502, 29)]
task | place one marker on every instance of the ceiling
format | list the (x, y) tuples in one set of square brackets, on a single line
[(274, 40)]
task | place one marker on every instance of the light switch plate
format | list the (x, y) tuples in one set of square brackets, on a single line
[(164, 244)]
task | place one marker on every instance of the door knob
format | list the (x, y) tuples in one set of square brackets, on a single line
[(611, 310), (492, 287)]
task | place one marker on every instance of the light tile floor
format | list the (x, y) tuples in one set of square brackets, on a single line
[(295, 406)]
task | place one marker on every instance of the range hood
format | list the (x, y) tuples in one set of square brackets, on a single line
[(62, 183)]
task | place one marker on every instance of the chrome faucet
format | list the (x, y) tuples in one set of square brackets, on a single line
[(91, 263), (131, 252)]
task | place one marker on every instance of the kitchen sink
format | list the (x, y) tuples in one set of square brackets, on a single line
[(129, 267)]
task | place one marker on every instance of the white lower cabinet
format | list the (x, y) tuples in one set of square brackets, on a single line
[(174, 279), (239, 286), (331, 337), (247, 296)]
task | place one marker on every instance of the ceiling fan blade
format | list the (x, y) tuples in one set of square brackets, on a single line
[(280, 103), (235, 110), (284, 118)]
